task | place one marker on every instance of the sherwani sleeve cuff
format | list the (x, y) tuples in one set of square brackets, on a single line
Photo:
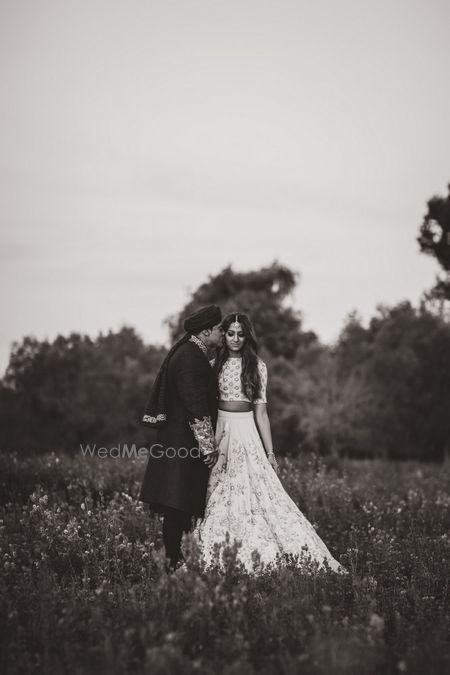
[(204, 434)]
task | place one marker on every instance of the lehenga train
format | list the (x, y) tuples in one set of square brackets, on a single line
[(246, 499)]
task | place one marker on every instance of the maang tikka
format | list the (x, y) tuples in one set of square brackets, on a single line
[(236, 323)]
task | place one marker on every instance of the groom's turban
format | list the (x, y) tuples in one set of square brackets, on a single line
[(206, 317)]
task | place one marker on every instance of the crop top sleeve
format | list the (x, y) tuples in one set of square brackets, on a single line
[(263, 375)]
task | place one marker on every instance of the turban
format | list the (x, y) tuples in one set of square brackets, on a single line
[(206, 317)]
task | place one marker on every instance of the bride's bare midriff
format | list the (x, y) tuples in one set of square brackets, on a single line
[(235, 406)]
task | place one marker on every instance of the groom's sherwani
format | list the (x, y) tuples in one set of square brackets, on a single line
[(172, 479)]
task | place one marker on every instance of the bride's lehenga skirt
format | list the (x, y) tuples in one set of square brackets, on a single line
[(246, 499)]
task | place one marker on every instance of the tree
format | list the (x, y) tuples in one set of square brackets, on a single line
[(401, 363), (434, 239), (436, 301), (262, 294), (56, 395), (337, 410)]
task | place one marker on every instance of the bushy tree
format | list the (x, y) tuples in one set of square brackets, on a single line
[(402, 366), (382, 390), (56, 395), (265, 295), (434, 240), (262, 294), (335, 409)]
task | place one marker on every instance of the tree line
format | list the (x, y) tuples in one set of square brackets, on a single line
[(380, 391)]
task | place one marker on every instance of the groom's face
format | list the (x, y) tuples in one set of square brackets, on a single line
[(216, 336)]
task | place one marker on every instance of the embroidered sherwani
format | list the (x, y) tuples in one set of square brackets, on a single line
[(173, 479)]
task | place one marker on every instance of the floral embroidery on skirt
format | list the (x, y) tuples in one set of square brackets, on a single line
[(246, 500)]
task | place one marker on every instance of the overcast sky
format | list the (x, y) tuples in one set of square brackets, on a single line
[(146, 145)]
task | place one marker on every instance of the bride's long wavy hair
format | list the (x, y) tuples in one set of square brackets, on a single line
[(250, 377)]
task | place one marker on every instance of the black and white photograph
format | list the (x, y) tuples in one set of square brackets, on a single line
[(225, 337)]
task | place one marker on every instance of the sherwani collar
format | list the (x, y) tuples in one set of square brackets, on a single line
[(199, 343)]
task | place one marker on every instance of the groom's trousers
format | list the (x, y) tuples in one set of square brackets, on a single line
[(174, 524)]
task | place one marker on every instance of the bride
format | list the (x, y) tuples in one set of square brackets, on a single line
[(245, 498)]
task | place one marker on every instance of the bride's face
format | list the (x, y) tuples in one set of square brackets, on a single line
[(235, 337)]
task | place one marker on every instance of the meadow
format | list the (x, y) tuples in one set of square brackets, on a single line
[(83, 586)]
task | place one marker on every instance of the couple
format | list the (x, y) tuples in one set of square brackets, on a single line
[(215, 471)]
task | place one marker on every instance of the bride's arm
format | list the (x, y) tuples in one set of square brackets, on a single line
[(263, 425)]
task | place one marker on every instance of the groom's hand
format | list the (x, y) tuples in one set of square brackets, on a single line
[(211, 458)]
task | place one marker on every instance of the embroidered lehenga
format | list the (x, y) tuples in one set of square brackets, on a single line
[(246, 499)]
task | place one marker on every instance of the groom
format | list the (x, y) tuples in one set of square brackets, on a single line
[(183, 408)]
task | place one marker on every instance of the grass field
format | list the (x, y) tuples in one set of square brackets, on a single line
[(83, 587)]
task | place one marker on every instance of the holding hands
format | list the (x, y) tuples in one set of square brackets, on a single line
[(211, 458)]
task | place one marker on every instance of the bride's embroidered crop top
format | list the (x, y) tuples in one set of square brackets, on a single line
[(230, 386)]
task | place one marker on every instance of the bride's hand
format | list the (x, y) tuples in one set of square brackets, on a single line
[(273, 463)]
